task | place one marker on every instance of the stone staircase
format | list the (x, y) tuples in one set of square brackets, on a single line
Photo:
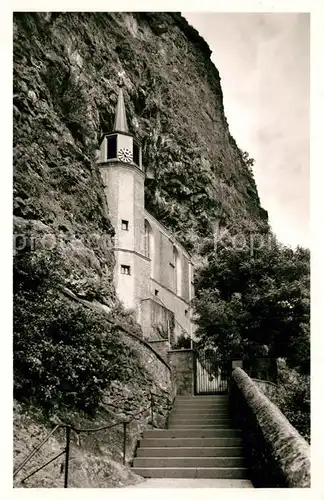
[(200, 442)]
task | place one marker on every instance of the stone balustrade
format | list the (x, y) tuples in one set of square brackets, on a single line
[(277, 455)]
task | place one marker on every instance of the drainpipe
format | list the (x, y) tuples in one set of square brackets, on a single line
[(190, 299)]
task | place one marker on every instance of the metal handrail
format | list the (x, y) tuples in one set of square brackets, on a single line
[(69, 427), (78, 431)]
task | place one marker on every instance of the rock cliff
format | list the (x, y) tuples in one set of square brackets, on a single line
[(66, 69), (65, 85)]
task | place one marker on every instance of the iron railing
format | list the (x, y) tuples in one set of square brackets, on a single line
[(211, 373), (68, 428)]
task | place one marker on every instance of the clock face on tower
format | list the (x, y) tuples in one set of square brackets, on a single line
[(125, 155)]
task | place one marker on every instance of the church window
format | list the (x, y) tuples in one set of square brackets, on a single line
[(149, 244), (147, 239), (177, 272), (124, 225), (125, 269), (174, 267), (111, 147)]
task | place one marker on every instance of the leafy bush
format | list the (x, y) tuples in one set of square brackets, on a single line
[(257, 304), (247, 302), (64, 354), (293, 398), (182, 342)]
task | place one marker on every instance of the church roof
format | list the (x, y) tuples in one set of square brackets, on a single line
[(120, 124)]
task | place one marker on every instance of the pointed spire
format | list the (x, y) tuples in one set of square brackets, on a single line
[(120, 116)]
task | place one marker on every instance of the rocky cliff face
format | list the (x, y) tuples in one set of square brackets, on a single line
[(65, 85), (66, 69)]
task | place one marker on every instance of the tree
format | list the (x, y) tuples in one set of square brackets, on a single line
[(248, 161), (253, 301)]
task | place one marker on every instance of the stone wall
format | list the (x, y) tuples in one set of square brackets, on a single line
[(174, 303), (182, 364), (162, 346), (277, 455), (158, 370)]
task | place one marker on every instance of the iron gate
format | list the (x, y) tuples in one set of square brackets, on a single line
[(211, 374)]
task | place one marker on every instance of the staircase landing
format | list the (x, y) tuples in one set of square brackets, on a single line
[(194, 483)]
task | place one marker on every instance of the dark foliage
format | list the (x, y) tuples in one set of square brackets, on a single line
[(182, 342), (64, 354), (293, 398), (256, 303)]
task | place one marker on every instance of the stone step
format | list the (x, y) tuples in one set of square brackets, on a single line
[(204, 420), (188, 462), (190, 442), (191, 433), (195, 404), (214, 422), (204, 397), (193, 472), (219, 395), (200, 414), (207, 451), (198, 420), (200, 411), (199, 426), (205, 404), (201, 420), (220, 419)]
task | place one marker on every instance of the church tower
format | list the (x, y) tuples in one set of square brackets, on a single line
[(120, 164)]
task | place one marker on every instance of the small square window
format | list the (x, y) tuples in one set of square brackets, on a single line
[(125, 269), (124, 225)]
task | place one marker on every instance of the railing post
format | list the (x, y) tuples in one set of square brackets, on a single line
[(67, 456), (124, 442), (152, 410), (194, 369)]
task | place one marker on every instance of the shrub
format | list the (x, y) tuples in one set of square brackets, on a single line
[(64, 355), (182, 342), (293, 398)]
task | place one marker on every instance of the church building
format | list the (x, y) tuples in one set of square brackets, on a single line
[(154, 272)]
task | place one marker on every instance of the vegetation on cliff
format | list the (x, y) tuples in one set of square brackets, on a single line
[(65, 355), (65, 85), (75, 364), (66, 69)]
